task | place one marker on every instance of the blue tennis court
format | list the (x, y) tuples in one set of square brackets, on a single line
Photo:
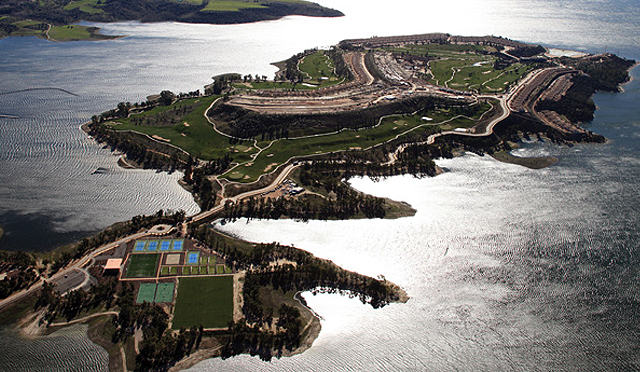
[(192, 257), (165, 244), (139, 246), (153, 245), (177, 245)]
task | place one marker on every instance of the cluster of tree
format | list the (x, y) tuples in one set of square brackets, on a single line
[(139, 148), (192, 94), (202, 188), (115, 232), (257, 78), (607, 71), (70, 306), (16, 260), (221, 83), (123, 109), (414, 159), (527, 50), (253, 339), (17, 281), (291, 71), (340, 67), (347, 203), (159, 351)]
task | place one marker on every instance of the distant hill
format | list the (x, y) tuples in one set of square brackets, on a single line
[(19, 17)]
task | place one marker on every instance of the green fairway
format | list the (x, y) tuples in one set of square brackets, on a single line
[(146, 293), (71, 33), (464, 67), (318, 68), (142, 265), (206, 301), (192, 132), (282, 150)]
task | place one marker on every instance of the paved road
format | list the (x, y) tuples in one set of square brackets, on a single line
[(281, 177), (69, 270)]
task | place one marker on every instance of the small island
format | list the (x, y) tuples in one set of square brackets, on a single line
[(56, 20), (165, 291)]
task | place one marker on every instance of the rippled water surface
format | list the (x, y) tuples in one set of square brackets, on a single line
[(508, 269), (66, 350)]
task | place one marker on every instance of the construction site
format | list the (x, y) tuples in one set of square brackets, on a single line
[(386, 69)]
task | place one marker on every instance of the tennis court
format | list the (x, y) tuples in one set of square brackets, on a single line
[(139, 246), (177, 245), (165, 244), (192, 258), (152, 246), (159, 245), (164, 293), (146, 293)]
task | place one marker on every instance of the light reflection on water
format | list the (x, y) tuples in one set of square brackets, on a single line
[(507, 268)]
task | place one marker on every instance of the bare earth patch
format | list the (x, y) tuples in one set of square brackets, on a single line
[(155, 136), (270, 166)]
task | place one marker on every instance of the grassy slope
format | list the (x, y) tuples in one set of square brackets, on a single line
[(198, 138), (201, 140), (281, 151), (483, 78)]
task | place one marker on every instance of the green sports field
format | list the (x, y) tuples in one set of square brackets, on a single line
[(142, 265), (146, 293), (164, 293), (206, 301)]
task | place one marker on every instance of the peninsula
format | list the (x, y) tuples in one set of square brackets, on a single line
[(56, 20), (162, 292)]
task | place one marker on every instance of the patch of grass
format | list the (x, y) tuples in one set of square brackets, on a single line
[(229, 6), (206, 301), (86, 6), (197, 137), (71, 33), (316, 66), (142, 265)]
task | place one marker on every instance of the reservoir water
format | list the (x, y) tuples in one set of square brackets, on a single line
[(507, 268)]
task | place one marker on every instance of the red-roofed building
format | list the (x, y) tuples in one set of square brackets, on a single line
[(112, 267)]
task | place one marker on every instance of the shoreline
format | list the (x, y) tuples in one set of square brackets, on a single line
[(211, 347)]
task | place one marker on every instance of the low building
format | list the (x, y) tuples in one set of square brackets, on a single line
[(112, 267)]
